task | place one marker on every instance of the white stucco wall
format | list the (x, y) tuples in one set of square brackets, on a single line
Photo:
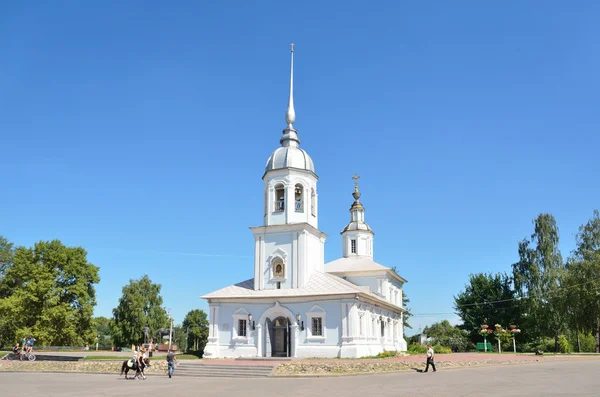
[(343, 335)]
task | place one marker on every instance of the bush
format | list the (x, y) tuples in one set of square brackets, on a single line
[(563, 344), (386, 354), (588, 343), (415, 348), (438, 349), (422, 349)]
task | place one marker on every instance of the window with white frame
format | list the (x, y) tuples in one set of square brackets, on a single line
[(317, 326), (299, 198), (361, 324), (316, 320), (242, 327), (373, 332), (353, 246), (239, 326), (313, 210), (279, 198)]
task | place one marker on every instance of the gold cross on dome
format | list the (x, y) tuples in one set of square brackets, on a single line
[(292, 45), (356, 178)]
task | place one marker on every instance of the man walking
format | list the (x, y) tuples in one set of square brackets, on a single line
[(171, 362), (430, 358)]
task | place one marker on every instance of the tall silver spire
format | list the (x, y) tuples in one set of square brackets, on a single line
[(290, 138), (290, 115)]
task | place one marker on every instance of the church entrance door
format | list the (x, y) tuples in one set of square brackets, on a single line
[(280, 345)]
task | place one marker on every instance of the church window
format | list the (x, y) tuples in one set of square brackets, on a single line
[(316, 320), (299, 198), (242, 327), (279, 285), (361, 323), (313, 210), (382, 328), (353, 246), (279, 198), (317, 326)]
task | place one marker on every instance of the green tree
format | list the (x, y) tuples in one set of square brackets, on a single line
[(197, 324), (48, 292), (537, 276), (487, 299), (582, 281), (102, 329), (6, 255), (447, 335), (139, 306), (408, 314)]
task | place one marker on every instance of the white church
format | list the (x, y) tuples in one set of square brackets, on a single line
[(296, 305)]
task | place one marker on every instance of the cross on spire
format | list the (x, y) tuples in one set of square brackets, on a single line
[(356, 178), (292, 45)]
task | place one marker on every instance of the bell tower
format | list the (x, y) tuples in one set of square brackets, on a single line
[(289, 246), (357, 236)]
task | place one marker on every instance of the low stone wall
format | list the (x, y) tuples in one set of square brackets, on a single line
[(361, 367), (158, 367)]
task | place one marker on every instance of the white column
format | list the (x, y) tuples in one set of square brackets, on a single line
[(294, 332), (344, 321), (259, 340), (301, 263), (257, 264)]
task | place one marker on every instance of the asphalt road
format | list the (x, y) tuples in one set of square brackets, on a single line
[(561, 378)]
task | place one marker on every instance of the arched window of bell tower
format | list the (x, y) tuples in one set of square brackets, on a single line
[(279, 198), (313, 210), (299, 198)]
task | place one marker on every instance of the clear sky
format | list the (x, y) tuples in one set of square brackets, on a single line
[(140, 130)]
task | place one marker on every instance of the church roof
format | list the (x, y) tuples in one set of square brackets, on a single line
[(356, 264), (319, 284), (289, 157)]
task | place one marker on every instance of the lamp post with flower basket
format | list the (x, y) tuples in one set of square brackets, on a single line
[(514, 331), (484, 332), (499, 332)]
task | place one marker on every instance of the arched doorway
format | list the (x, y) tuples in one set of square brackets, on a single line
[(279, 331)]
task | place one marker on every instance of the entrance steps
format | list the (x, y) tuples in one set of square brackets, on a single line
[(223, 370)]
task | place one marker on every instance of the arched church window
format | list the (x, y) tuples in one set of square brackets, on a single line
[(313, 210), (279, 198), (299, 198), (353, 246), (382, 328)]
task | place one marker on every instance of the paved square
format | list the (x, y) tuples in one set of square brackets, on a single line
[(562, 378)]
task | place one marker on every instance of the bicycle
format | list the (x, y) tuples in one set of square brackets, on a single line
[(21, 356)]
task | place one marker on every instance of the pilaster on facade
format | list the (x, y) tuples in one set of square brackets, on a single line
[(259, 339)]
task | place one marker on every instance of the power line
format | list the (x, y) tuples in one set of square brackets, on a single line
[(502, 300)]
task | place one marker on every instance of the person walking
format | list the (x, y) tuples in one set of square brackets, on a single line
[(430, 355), (171, 362)]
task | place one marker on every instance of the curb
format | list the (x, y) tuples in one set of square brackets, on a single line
[(335, 375)]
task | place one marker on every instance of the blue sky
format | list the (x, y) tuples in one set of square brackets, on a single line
[(140, 131)]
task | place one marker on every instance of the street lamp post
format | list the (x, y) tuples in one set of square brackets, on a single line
[(170, 327), (514, 331), (484, 332), (97, 339), (187, 332)]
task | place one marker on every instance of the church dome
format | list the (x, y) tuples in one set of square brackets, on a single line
[(289, 157), (357, 226)]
